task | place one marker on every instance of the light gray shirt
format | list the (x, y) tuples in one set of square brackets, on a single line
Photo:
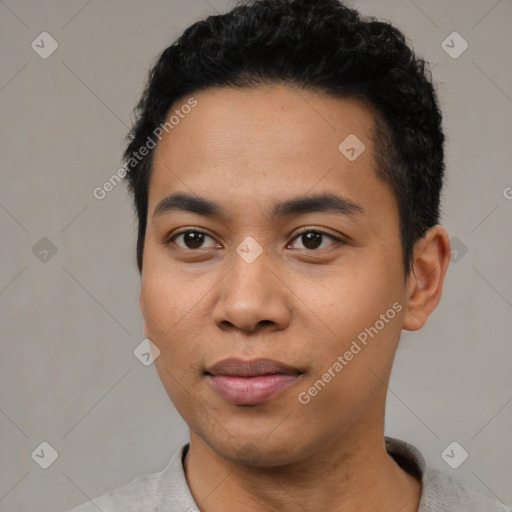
[(168, 491)]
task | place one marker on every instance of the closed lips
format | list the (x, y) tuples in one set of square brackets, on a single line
[(251, 382), (252, 368)]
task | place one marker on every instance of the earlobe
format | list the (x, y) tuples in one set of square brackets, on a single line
[(425, 281)]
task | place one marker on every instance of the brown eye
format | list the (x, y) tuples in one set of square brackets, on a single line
[(312, 239), (191, 239)]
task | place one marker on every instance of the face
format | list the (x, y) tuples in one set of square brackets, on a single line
[(320, 291)]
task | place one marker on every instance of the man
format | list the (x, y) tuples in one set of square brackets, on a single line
[(286, 167)]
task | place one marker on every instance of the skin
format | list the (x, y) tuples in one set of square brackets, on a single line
[(301, 305)]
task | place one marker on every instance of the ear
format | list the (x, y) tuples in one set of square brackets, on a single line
[(425, 281)]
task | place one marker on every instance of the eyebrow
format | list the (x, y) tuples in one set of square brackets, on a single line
[(328, 203)]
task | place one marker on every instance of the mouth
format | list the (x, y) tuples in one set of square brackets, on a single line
[(251, 382)]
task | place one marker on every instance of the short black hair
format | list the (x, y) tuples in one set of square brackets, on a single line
[(321, 46)]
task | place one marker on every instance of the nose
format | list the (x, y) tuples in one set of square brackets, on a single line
[(252, 296)]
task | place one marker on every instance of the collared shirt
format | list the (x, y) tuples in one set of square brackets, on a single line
[(168, 491)]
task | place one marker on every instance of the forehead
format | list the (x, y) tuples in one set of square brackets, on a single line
[(266, 141)]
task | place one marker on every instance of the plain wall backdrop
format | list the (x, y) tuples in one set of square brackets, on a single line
[(68, 279)]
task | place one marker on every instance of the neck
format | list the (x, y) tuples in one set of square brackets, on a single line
[(351, 474)]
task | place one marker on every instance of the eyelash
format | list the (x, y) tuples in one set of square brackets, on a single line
[(170, 240)]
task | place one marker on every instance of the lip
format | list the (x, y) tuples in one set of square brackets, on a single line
[(250, 368), (253, 381)]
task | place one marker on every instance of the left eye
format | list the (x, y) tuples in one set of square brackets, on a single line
[(312, 238)]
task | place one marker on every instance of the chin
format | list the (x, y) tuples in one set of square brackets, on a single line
[(256, 453)]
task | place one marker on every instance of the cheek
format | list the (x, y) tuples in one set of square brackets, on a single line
[(173, 309), (354, 360), (167, 300), (168, 316), (363, 305)]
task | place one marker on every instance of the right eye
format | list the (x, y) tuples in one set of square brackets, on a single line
[(192, 239)]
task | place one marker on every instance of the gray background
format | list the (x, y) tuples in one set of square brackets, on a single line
[(69, 325)]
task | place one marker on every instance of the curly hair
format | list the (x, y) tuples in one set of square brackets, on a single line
[(321, 46)]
